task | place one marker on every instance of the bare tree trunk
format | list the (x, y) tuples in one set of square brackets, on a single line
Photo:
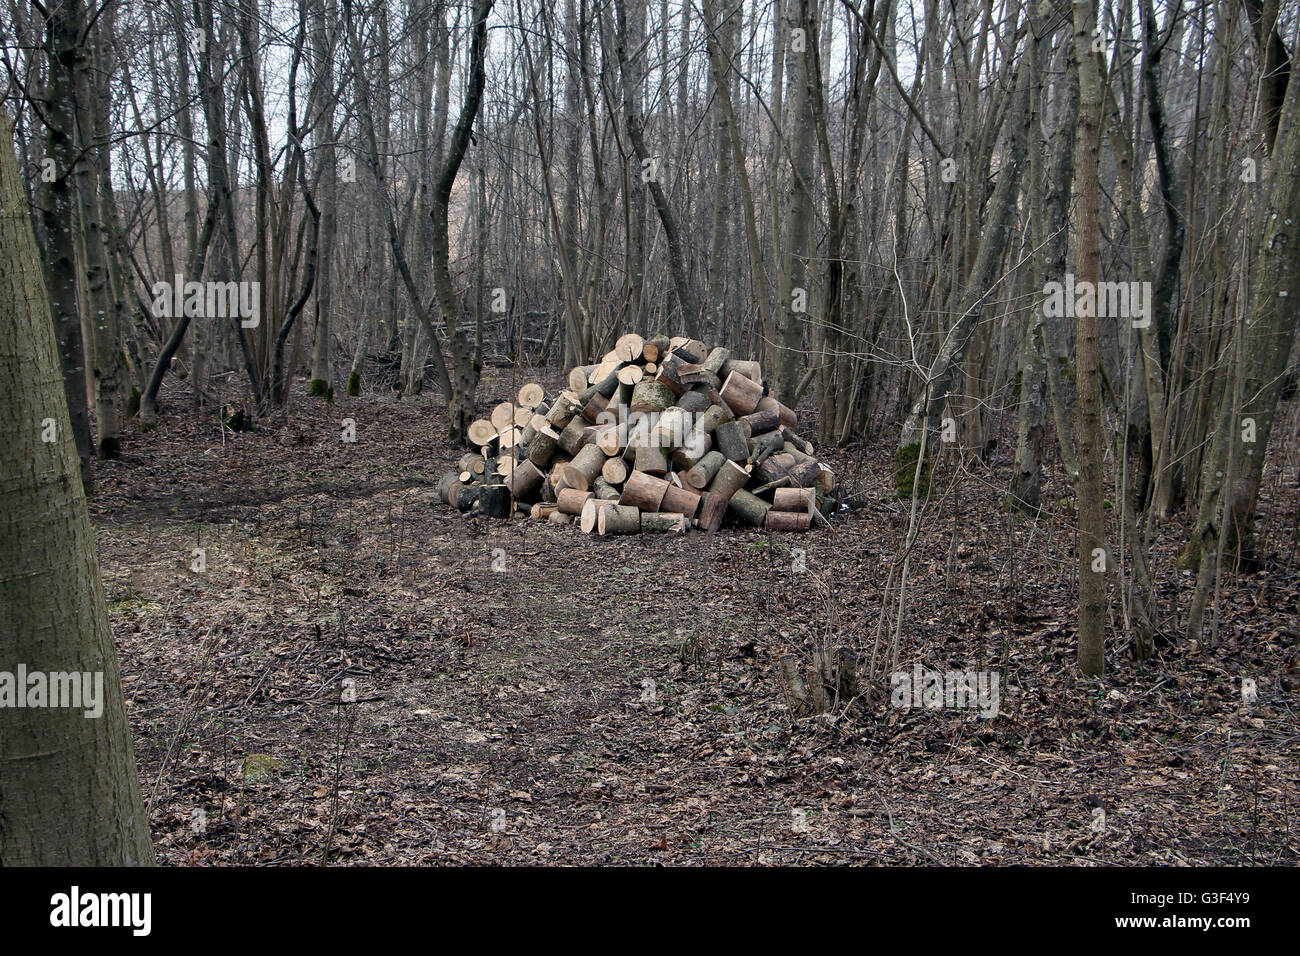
[(1089, 489), (795, 292), (686, 298), (322, 373), (723, 36), (1232, 472), (992, 245), (68, 782), (466, 354), (104, 318), (575, 321), (62, 50)]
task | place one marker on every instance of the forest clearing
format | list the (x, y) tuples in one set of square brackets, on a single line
[(612, 433), (523, 692)]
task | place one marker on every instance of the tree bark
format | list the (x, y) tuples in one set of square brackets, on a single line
[(1089, 490), (68, 783)]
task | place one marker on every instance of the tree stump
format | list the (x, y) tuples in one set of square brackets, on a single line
[(846, 674), (494, 501), (796, 694)]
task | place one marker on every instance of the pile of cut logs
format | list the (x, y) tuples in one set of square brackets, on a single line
[(663, 434)]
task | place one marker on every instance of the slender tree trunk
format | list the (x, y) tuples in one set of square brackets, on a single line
[(992, 247), (627, 36), (104, 318), (796, 292), (1089, 487), (466, 354), (723, 37), (62, 50), (322, 372)]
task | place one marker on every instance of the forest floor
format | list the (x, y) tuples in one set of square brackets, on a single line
[(616, 701)]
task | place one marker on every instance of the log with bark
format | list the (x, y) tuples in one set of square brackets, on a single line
[(618, 519), (643, 491)]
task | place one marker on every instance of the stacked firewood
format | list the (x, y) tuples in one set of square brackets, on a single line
[(663, 434)]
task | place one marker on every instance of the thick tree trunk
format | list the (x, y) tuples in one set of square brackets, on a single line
[(68, 784)]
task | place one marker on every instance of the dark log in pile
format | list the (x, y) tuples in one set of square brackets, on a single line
[(661, 435)]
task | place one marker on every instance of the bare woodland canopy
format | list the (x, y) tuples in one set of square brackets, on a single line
[(941, 222)]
